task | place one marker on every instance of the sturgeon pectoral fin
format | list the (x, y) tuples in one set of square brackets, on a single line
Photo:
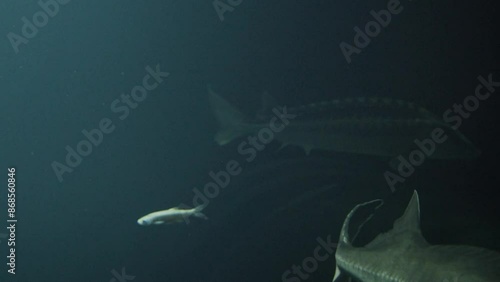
[(283, 145), (341, 276), (337, 274), (308, 149)]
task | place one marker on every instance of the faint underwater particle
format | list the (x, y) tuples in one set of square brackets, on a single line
[(2, 236), (48, 9)]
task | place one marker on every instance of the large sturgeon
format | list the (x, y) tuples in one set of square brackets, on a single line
[(371, 126), (403, 255)]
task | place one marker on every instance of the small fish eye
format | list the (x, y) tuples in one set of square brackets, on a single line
[(143, 222)]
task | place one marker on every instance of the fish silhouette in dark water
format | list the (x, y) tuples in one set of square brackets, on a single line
[(369, 126)]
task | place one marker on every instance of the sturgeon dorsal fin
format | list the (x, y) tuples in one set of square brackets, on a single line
[(406, 228), (410, 221)]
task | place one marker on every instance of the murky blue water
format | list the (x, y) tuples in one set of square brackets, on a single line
[(89, 80)]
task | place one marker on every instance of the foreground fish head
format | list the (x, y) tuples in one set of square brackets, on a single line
[(161, 217)]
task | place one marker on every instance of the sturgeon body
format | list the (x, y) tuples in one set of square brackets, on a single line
[(403, 255), (369, 126)]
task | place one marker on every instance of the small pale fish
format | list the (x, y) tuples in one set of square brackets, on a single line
[(172, 215), (370, 126)]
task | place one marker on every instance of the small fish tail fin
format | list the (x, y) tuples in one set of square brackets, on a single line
[(198, 212), (230, 119)]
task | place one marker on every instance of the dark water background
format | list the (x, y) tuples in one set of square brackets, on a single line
[(268, 218)]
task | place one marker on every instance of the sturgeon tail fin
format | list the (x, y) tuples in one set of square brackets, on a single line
[(346, 240), (198, 213), (230, 119)]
